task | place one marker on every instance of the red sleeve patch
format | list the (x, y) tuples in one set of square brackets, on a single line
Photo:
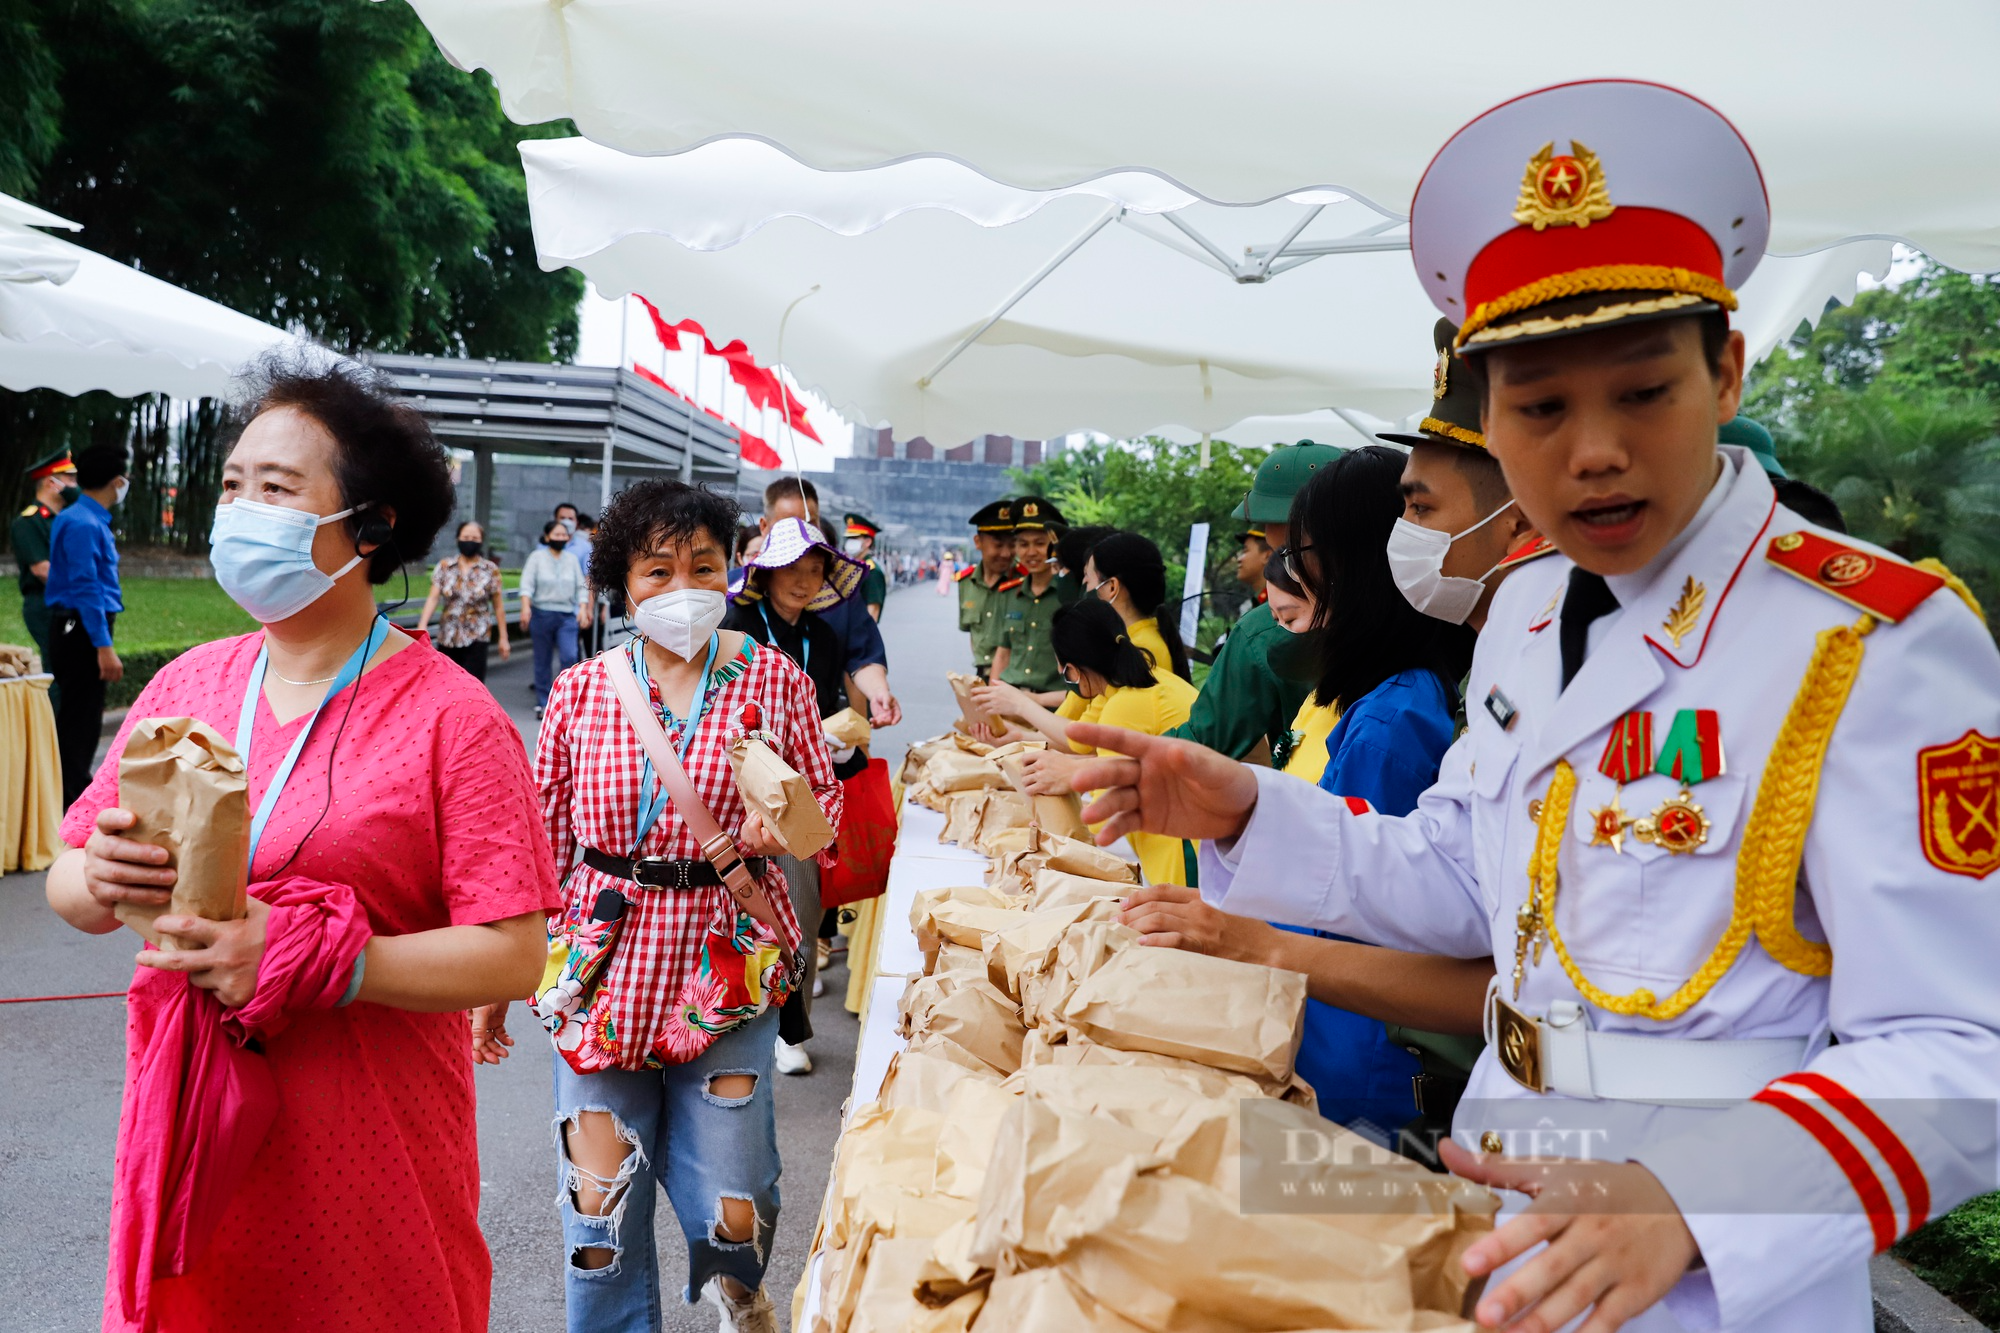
[(1880, 585), (1958, 805)]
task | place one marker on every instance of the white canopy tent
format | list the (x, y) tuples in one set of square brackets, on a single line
[(1868, 122), (72, 320), (949, 305)]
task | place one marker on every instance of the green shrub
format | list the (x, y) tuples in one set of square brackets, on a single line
[(1959, 1254)]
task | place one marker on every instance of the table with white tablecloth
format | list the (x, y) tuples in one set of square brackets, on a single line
[(30, 775), (921, 862)]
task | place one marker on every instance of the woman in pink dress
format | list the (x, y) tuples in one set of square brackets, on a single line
[(376, 769)]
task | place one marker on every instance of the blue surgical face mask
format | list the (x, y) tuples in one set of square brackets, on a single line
[(262, 557)]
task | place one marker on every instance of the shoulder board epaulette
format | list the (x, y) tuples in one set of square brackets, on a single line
[(1883, 586), (966, 573), (31, 511), (1009, 585), (1533, 549)]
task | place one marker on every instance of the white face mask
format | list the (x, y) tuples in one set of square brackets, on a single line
[(118, 491), (681, 621), (262, 557), (1416, 562)]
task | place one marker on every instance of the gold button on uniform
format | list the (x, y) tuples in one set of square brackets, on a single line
[(1490, 1142), (1535, 808)]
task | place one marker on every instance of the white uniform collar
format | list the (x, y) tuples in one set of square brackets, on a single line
[(1629, 588)]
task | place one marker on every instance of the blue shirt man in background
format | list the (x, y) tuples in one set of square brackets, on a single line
[(84, 601)]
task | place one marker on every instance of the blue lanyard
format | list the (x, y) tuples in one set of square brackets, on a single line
[(651, 807), (246, 722), (805, 639)]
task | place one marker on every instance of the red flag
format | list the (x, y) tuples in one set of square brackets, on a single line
[(756, 451), (760, 385)]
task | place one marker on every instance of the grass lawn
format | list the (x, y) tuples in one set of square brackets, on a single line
[(164, 614), (160, 614), (163, 618), (1960, 1255)]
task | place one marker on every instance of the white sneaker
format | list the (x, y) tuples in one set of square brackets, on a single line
[(819, 985), (793, 1059), (753, 1314)]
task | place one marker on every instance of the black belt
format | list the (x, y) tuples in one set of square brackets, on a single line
[(657, 872)]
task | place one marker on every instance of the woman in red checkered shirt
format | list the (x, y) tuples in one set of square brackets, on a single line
[(680, 1025)]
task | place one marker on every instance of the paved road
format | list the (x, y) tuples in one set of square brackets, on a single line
[(61, 1066)]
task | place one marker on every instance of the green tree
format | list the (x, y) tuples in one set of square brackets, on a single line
[(315, 163), (1155, 488), (1940, 329), (1916, 470)]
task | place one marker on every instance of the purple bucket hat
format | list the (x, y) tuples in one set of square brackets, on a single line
[(787, 543)]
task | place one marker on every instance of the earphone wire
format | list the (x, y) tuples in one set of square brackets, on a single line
[(332, 749)]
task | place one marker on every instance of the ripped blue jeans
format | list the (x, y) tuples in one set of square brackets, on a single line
[(703, 1148)]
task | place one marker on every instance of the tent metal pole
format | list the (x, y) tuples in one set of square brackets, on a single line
[(1262, 267), (1355, 424), (1111, 215), (1174, 220)]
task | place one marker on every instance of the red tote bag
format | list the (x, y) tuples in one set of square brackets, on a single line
[(867, 839)]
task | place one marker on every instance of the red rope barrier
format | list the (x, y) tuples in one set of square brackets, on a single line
[(38, 999)]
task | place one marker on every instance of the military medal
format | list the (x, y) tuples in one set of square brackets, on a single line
[(1691, 754), (1628, 756), (1677, 825)]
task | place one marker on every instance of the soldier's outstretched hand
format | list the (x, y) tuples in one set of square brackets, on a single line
[(1156, 785), (1615, 1242)]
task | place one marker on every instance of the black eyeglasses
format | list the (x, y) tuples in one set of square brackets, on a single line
[(1288, 560)]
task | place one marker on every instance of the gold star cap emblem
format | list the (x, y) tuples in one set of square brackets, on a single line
[(1563, 190)]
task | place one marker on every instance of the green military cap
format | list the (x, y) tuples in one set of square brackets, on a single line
[(1280, 477), (1034, 514), (59, 461), (1454, 415), (857, 526), (997, 516), (1751, 435)]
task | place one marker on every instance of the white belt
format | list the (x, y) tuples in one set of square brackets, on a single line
[(1561, 1054)]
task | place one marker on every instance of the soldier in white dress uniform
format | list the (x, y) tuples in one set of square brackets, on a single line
[(1728, 807)]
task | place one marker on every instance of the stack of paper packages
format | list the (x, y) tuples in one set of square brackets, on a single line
[(1060, 1146)]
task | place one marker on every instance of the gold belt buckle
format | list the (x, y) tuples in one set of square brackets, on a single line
[(1517, 1040)]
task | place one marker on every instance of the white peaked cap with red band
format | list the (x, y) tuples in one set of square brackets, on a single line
[(1587, 204)]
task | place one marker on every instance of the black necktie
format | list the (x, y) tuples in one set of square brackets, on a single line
[(1589, 597)]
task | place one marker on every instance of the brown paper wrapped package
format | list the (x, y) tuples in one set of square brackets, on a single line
[(1059, 888), (1060, 815), (1087, 859), (954, 770), (847, 727), (969, 745), (1004, 812), (962, 687), (981, 1020), (887, 1301), (185, 786), (1237, 1016), (1042, 1300), (973, 1111), (919, 754), (962, 810), (925, 1081), (1074, 1049), (777, 791), (1170, 1253), (1030, 946)]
